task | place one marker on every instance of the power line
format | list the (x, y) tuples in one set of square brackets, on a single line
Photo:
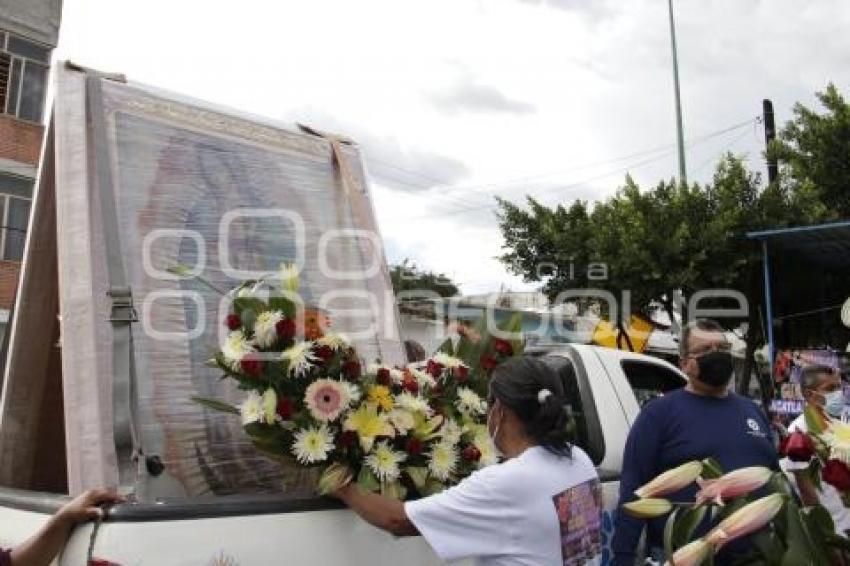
[(701, 139)]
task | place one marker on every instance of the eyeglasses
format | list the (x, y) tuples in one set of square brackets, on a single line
[(718, 347)]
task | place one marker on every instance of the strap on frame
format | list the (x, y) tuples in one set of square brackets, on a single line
[(128, 449)]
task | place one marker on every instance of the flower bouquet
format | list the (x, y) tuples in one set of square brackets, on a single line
[(754, 503), (826, 449), (403, 431)]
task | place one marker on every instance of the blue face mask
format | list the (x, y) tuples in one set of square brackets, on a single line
[(834, 403)]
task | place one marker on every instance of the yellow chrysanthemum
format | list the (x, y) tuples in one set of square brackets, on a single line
[(381, 396), (368, 424)]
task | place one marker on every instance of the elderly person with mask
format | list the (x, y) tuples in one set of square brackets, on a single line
[(824, 392), (702, 420), (540, 507)]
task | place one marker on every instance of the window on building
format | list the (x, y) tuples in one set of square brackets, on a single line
[(650, 380), (15, 200), (23, 77)]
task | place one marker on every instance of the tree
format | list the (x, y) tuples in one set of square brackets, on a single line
[(408, 278), (814, 150), (657, 243)]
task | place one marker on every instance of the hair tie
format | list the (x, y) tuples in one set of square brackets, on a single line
[(542, 395)]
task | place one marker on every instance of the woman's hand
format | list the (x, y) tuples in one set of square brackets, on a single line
[(86, 506)]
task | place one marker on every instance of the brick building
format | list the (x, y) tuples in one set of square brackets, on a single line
[(29, 30)]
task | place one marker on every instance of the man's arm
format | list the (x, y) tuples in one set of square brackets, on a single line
[(639, 466), (43, 547), (383, 512)]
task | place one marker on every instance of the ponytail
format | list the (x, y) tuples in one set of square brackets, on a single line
[(535, 393)]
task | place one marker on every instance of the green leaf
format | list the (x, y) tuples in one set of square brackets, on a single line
[(669, 527), (711, 469), (418, 475), (814, 422), (367, 480), (447, 347), (241, 304), (686, 526), (432, 487), (216, 404), (283, 305)]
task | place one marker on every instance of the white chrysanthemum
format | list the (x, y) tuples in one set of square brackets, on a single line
[(413, 403), (265, 333), (451, 432), (469, 403), (423, 378), (442, 461), (354, 393), (446, 360), (299, 357), (335, 341), (384, 461), (312, 444), (251, 409), (402, 420), (235, 348)]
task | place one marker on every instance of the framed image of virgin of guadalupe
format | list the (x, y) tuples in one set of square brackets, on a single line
[(142, 181)]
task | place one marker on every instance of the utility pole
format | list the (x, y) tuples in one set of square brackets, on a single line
[(680, 138), (769, 136)]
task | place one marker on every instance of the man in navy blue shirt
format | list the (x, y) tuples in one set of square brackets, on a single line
[(702, 420)]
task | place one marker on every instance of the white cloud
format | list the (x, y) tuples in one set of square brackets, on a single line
[(597, 75)]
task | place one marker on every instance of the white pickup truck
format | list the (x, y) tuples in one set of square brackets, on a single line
[(606, 388)]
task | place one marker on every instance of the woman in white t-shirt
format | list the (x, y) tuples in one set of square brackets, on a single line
[(541, 506)]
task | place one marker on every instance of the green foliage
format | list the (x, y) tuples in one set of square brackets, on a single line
[(407, 278), (216, 405), (814, 150), (654, 242)]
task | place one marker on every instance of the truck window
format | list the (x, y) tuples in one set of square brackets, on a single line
[(649, 380), (588, 431)]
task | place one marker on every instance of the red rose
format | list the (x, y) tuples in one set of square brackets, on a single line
[(503, 347), (471, 453), (324, 353), (460, 373), (384, 377), (285, 408), (414, 447), (799, 447), (251, 365), (347, 438), (285, 328), (434, 368), (351, 369), (836, 474), (233, 321), (410, 384), (488, 362)]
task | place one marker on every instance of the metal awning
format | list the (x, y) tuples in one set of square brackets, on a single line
[(826, 245)]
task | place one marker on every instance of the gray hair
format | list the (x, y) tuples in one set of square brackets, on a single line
[(810, 378), (704, 324)]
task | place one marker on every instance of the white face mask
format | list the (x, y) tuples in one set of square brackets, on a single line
[(833, 403)]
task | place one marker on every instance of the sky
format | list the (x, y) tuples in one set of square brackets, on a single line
[(454, 102)]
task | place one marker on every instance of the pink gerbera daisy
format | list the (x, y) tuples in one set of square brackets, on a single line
[(326, 399)]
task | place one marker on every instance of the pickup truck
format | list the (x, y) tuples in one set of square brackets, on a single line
[(606, 389)]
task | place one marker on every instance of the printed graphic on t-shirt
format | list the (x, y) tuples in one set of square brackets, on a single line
[(580, 517)]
